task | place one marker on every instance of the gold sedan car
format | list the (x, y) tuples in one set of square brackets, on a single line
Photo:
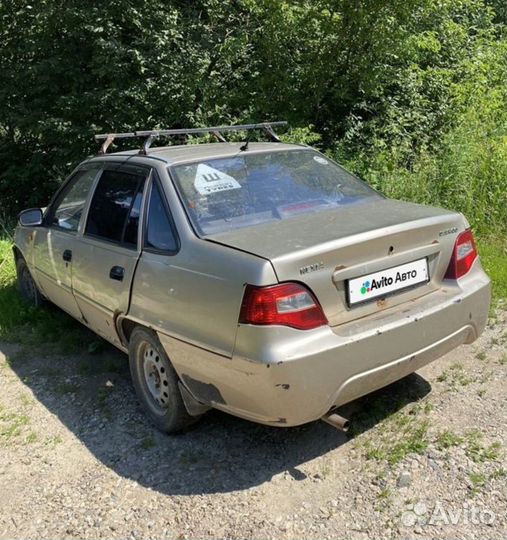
[(261, 279)]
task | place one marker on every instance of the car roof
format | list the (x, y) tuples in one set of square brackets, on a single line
[(193, 152)]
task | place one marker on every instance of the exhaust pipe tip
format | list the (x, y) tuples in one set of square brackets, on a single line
[(337, 421)]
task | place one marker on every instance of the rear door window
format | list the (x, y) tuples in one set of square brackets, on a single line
[(115, 207), (160, 234)]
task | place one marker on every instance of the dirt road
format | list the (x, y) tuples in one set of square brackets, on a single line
[(78, 459)]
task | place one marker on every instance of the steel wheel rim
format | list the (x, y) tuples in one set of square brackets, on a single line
[(155, 368)]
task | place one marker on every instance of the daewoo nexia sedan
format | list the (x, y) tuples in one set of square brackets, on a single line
[(261, 279)]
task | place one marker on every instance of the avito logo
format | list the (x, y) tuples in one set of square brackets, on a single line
[(366, 287), (386, 281)]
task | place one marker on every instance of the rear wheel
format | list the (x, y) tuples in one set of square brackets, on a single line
[(156, 382), (26, 284)]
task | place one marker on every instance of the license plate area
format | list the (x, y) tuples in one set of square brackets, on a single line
[(386, 282)]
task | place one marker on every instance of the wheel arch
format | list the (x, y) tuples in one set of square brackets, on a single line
[(125, 326), (17, 253), (192, 407)]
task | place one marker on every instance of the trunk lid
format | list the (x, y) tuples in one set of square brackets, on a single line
[(325, 250)]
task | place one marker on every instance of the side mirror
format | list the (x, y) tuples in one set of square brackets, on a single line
[(31, 217)]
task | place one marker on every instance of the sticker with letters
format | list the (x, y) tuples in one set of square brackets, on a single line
[(209, 180)]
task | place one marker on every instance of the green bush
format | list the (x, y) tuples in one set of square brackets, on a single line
[(465, 169), (381, 78)]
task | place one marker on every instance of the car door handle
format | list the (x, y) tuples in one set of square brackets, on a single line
[(117, 272), (67, 255)]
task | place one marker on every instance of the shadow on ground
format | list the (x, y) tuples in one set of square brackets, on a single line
[(92, 396)]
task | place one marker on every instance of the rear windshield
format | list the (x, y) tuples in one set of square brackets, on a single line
[(249, 189)]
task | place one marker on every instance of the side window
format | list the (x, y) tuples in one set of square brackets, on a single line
[(69, 206), (159, 231), (115, 207), (132, 226)]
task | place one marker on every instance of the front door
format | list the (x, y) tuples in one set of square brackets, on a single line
[(105, 258), (54, 244)]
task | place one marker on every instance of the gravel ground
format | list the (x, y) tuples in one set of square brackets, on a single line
[(425, 458)]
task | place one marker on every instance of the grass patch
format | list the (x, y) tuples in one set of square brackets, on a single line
[(498, 474), (51, 442), (455, 376), (472, 442), (11, 425), (478, 452), (411, 440), (478, 480), (95, 366), (31, 438), (20, 322), (443, 376), (64, 388), (448, 439), (26, 400), (147, 442), (402, 434), (190, 457), (481, 356), (103, 394), (493, 253), (383, 500)]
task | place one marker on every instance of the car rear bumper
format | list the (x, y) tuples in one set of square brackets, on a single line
[(281, 376)]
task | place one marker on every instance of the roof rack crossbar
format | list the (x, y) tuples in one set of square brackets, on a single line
[(150, 136)]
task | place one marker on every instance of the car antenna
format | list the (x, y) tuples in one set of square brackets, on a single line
[(244, 146)]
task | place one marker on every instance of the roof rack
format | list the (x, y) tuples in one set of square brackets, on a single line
[(150, 136)]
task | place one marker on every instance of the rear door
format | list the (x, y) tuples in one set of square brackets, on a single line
[(53, 244), (105, 258)]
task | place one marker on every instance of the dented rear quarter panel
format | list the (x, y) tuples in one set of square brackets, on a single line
[(195, 294)]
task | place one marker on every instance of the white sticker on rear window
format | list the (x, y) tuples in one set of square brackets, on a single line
[(321, 160), (209, 180)]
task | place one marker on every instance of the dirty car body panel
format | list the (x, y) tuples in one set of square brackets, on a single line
[(244, 225)]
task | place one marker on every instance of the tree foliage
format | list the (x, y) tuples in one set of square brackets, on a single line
[(384, 84)]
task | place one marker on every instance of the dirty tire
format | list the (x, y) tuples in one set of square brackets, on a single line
[(156, 382), (26, 284)]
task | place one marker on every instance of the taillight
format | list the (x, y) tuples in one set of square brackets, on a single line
[(463, 255), (288, 304)]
